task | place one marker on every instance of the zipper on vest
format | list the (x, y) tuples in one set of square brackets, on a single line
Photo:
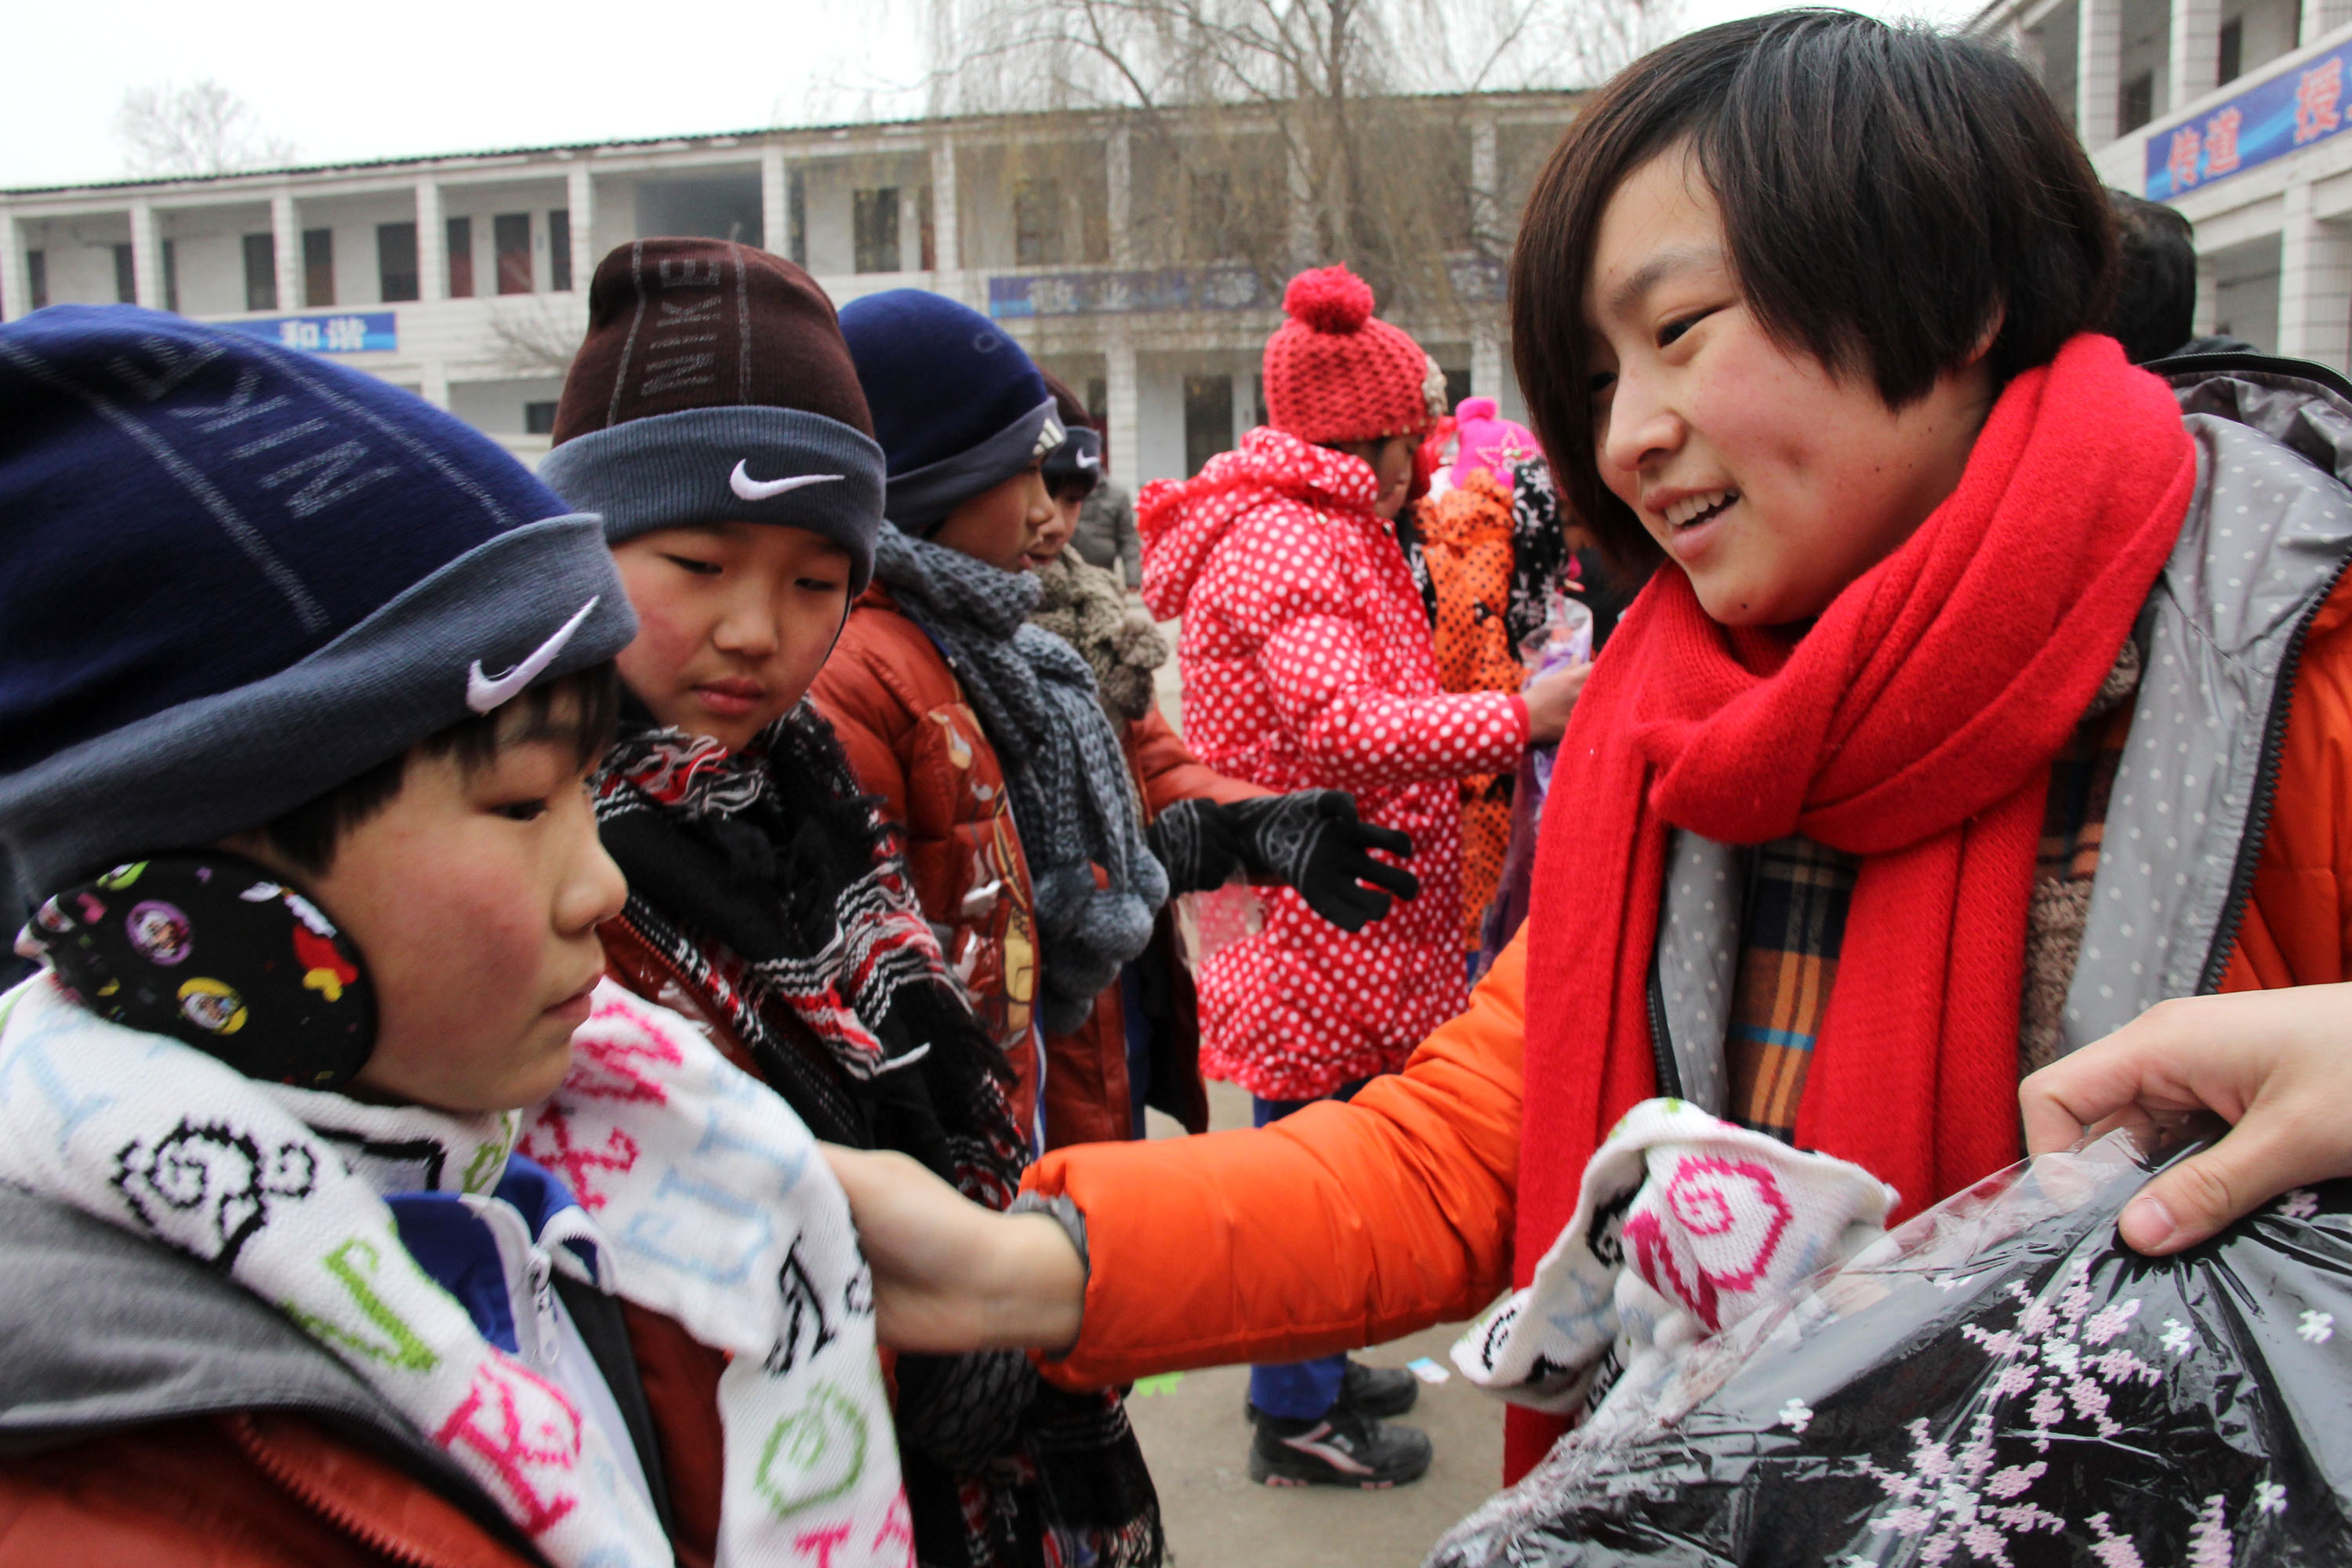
[(255, 1448), (1661, 1044), (2258, 817)]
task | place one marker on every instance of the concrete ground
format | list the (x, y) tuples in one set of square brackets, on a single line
[(1195, 1436)]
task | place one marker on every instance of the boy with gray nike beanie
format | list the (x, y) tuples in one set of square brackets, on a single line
[(315, 1240)]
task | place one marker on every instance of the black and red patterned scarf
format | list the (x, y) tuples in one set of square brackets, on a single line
[(771, 885)]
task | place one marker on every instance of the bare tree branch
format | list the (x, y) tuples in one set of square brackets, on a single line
[(201, 129)]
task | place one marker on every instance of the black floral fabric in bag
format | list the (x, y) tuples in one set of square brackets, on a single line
[(1999, 1382)]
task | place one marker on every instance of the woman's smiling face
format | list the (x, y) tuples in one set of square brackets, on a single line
[(1771, 480)]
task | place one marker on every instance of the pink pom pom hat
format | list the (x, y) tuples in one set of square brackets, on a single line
[(1334, 371), (1486, 443)]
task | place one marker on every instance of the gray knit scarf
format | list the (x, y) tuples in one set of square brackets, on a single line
[(1072, 800)]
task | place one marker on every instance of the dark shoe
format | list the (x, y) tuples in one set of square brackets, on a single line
[(1382, 1392), (1342, 1449)]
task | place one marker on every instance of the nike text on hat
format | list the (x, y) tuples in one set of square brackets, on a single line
[(713, 387), (239, 576)]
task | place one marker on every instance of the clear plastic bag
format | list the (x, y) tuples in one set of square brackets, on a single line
[(2000, 1380), (1210, 922)]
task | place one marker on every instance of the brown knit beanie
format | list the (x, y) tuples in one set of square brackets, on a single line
[(1336, 372), (714, 385)]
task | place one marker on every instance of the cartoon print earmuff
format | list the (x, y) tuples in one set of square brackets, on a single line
[(214, 950)]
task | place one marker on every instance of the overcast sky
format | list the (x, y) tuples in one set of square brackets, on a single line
[(432, 76)]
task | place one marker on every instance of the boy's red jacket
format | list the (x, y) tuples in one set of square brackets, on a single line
[(912, 740), (1309, 665)]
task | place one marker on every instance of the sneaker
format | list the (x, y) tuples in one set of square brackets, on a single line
[(1382, 1392), (1342, 1449)]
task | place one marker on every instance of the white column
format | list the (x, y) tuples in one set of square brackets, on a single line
[(146, 256), (2099, 62), (1302, 210), (432, 243), (286, 234), (433, 377), (944, 208), (1486, 362), (2320, 17), (581, 187), (15, 281), (775, 202), (2315, 285), (2196, 50), (1119, 391), (1119, 173), (1486, 185), (2208, 297)]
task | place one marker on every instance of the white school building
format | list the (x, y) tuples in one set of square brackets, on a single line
[(463, 278), (2234, 112)]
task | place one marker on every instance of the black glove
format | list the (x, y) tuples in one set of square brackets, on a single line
[(1313, 841), (1197, 844)]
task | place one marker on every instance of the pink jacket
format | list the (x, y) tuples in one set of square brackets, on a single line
[(1307, 664)]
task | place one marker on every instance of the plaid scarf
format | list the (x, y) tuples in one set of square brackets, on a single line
[(771, 888)]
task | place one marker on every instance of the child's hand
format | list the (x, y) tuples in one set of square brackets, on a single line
[(949, 1275), (1551, 698), (2276, 1065)]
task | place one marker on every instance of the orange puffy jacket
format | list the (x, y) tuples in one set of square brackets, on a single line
[(1348, 1224)]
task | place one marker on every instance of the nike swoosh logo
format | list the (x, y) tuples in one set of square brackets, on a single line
[(485, 693), (1089, 459), (749, 489)]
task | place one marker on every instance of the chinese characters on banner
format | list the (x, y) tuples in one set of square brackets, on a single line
[(353, 333), (1118, 293), (2294, 108)]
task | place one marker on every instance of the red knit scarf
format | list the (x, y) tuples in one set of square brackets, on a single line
[(1914, 724)]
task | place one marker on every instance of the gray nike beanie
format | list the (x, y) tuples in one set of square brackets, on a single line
[(234, 575), (713, 387)]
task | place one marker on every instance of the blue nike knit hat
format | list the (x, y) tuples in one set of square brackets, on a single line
[(233, 576), (957, 405)]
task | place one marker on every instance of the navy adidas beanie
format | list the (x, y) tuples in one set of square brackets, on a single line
[(957, 405), (233, 577)]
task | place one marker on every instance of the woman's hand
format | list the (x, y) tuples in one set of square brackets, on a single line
[(949, 1275), (1551, 699), (2275, 1065)]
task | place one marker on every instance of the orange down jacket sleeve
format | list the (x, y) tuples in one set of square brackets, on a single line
[(1342, 1224)]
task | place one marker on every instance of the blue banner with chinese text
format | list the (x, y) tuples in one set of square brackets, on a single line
[(353, 333), (2292, 110)]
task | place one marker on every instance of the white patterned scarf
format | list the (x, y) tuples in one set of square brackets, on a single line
[(711, 1200)]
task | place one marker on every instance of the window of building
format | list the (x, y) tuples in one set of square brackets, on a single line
[(461, 259), (171, 277), (1037, 223), (37, 277), (511, 236), (873, 228), (396, 261), (796, 218), (926, 231), (126, 276), (1099, 397), (1208, 418), (539, 418), (2135, 104), (559, 249), (261, 272), (1208, 215), (318, 267), (2232, 50)]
